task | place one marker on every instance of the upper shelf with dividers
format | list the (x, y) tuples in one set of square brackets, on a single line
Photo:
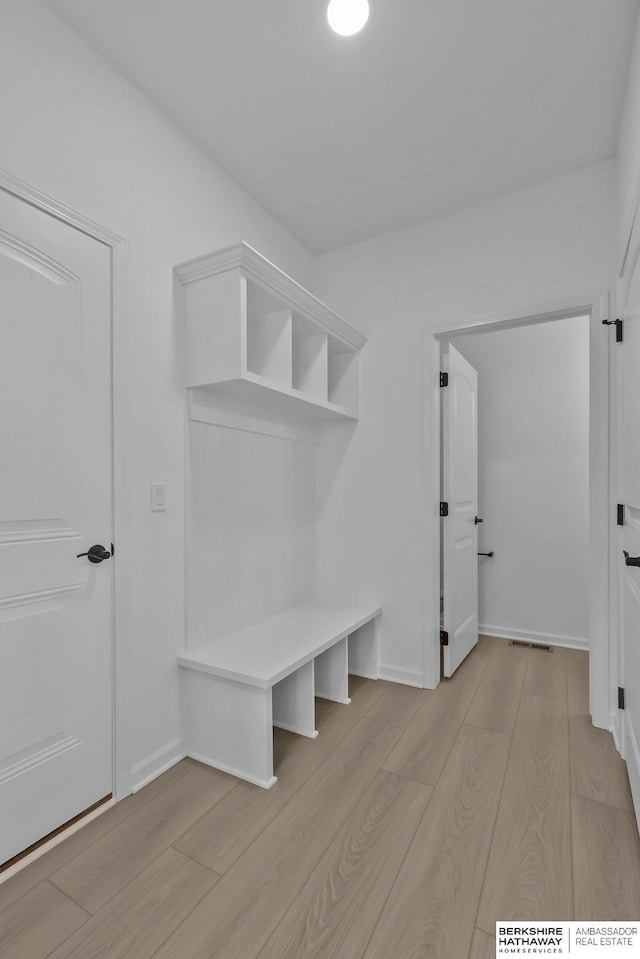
[(254, 332)]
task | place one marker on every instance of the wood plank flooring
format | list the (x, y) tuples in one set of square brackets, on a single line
[(529, 872), (412, 823)]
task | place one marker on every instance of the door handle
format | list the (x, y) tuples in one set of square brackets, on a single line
[(477, 520), (630, 560), (487, 554), (95, 554)]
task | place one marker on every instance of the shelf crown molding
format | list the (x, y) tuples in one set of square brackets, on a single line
[(256, 267)]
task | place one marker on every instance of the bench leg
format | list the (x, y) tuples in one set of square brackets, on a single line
[(294, 702), (229, 726), (332, 673)]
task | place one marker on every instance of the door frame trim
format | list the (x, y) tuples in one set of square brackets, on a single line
[(603, 649), (620, 719), (121, 698)]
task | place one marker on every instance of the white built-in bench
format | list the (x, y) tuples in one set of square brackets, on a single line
[(269, 674)]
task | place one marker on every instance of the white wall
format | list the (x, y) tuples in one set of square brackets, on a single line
[(74, 129), (628, 160), (533, 479), (538, 246)]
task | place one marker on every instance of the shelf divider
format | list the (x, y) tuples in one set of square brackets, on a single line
[(310, 365), (343, 380), (269, 346)]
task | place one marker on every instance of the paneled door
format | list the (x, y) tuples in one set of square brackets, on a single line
[(459, 527), (55, 502), (629, 557)]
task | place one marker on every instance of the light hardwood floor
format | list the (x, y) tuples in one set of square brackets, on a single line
[(415, 821)]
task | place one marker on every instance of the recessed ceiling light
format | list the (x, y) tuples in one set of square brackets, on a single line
[(347, 17)]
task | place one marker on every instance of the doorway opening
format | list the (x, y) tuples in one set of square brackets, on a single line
[(532, 476), (592, 500)]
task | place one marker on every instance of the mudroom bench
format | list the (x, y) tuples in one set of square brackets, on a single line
[(238, 687)]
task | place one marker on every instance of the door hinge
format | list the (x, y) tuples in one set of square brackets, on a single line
[(444, 379), (444, 509), (618, 325), (444, 637), (620, 514), (621, 697)]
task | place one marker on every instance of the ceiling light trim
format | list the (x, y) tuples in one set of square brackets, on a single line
[(342, 10)]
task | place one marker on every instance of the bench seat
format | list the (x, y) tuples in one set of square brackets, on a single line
[(263, 654), (237, 687)]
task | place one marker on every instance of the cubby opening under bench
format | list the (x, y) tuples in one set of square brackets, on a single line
[(238, 687)]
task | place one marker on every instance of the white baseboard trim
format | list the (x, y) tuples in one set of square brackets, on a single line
[(615, 730), (355, 672), (398, 674), (633, 764), (201, 758), (157, 763), (532, 636)]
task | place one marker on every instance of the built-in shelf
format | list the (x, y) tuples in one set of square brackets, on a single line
[(254, 332)]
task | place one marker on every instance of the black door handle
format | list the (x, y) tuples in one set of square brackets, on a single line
[(486, 554), (96, 554), (630, 560), (477, 520)]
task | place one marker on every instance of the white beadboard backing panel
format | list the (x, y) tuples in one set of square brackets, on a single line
[(251, 541)]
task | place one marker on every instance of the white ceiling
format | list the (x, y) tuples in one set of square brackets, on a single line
[(437, 103)]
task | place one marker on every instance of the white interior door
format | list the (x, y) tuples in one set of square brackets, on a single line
[(55, 502), (629, 358), (459, 528)]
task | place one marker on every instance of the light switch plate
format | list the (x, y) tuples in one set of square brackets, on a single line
[(158, 497)]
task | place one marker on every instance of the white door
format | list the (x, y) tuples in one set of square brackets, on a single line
[(459, 527), (629, 358), (55, 502)]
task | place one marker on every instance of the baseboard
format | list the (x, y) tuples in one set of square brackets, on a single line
[(157, 763), (232, 771), (615, 730), (369, 675), (398, 674), (633, 764), (533, 636)]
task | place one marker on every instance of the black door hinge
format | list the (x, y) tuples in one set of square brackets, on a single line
[(620, 514), (444, 509), (444, 637), (444, 379), (621, 704), (618, 326)]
